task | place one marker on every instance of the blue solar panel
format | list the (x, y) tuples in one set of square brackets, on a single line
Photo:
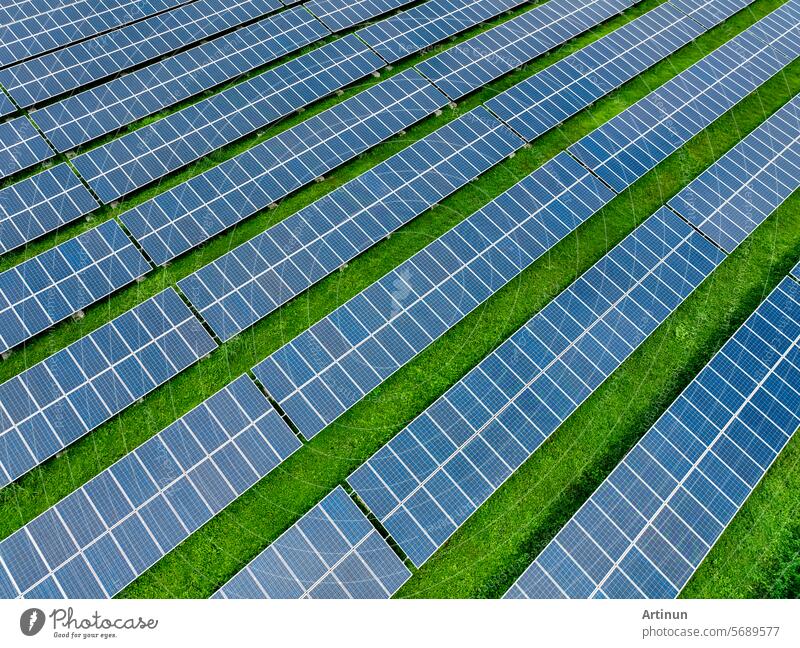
[(47, 407), (6, 107), (65, 279), (737, 193), (796, 272), (781, 28), (41, 204), (331, 366), (21, 146), (104, 109), (534, 106), (343, 14), (70, 68), (205, 205), (331, 552), (628, 146), (252, 280), (648, 527), (710, 13), (479, 60), (153, 151), (431, 477), (124, 520)]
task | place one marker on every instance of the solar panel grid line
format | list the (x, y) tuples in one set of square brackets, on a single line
[(338, 15), (77, 65), (98, 111), (151, 152), (55, 402), (6, 106), (710, 13), (165, 489), (194, 211), (21, 146), (40, 204), (60, 282), (781, 29), (422, 485), (344, 223)]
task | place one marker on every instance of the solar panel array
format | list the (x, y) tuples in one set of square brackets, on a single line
[(338, 15), (629, 145), (151, 152), (194, 211), (247, 283), (648, 527), (333, 551), (784, 20), (55, 402), (710, 13), (102, 536), (70, 68), (41, 204), (104, 109), (332, 365), (430, 22), (534, 106), (21, 146), (55, 23), (430, 478), (765, 169), (474, 63), (6, 107), (61, 281)]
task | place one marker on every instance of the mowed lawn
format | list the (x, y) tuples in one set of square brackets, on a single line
[(758, 554)]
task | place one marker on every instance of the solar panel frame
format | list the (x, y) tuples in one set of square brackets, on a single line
[(246, 284), (21, 146), (333, 551), (796, 272), (338, 15), (57, 401)]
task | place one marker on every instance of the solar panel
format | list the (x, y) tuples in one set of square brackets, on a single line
[(249, 282), (151, 152), (333, 551), (541, 102), (332, 365), (47, 407), (710, 13), (41, 204), (196, 210), (104, 109), (55, 23), (6, 107), (781, 28), (796, 272), (71, 68), (474, 63), (343, 14), (430, 22), (21, 146), (432, 476), (105, 534), (737, 193), (651, 523), (629, 145)]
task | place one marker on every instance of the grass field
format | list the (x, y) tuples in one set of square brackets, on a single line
[(758, 554)]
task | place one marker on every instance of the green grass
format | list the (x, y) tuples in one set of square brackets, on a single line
[(495, 545)]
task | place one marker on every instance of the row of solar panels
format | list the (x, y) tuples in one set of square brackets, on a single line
[(663, 234)]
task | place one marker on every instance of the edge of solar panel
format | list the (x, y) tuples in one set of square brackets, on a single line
[(333, 551), (28, 208), (796, 272), (6, 106), (326, 234), (338, 15), (21, 146), (101, 376), (710, 14), (109, 531)]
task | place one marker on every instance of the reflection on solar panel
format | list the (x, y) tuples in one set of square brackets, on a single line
[(132, 161), (333, 551), (21, 146), (205, 205), (414, 29), (6, 107), (342, 14), (70, 68), (431, 477), (98, 111), (710, 13), (331, 366), (784, 20), (629, 145), (764, 169), (41, 204), (61, 281), (55, 402), (102, 536), (534, 106), (479, 60), (252, 280), (648, 527), (55, 23)]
